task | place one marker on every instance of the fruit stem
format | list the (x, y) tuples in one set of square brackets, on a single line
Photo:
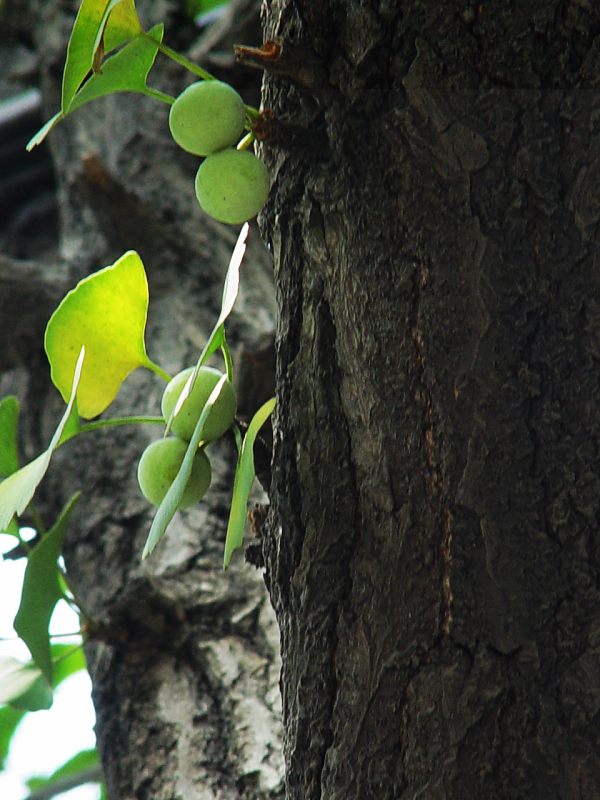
[(158, 370), (116, 422), (245, 143), (156, 94), (182, 60)]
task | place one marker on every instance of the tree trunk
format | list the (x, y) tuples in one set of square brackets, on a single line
[(431, 553), (431, 548)]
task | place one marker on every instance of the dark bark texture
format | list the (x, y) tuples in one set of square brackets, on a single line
[(184, 658), (432, 549)]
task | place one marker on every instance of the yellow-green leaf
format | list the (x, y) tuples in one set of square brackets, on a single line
[(106, 314)]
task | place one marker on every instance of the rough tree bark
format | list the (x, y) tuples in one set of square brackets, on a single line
[(431, 549)]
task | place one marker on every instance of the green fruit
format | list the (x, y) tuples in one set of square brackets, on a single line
[(208, 116), (158, 468), (232, 186), (219, 419)]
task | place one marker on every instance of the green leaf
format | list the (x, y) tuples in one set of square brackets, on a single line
[(86, 37), (41, 592), (12, 529), (9, 721), (106, 314), (79, 764), (38, 697), (72, 425), (168, 507), (217, 337), (244, 476), (67, 659), (9, 420), (39, 137), (126, 71), (120, 23), (17, 490), (18, 681)]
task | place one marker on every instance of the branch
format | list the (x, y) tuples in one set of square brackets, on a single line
[(90, 775), (294, 61)]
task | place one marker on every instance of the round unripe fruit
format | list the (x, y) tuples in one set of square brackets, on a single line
[(232, 186), (158, 468), (221, 415), (208, 116)]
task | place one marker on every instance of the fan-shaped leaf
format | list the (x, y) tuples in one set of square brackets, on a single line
[(106, 314)]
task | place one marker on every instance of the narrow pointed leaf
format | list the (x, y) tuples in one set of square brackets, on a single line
[(41, 592), (215, 340), (39, 137), (244, 477), (90, 23), (17, 490), (168, 507), (106, 314), (9, 420), (126, 71)]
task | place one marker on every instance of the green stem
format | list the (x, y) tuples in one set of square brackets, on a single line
[(158, 95), (182, 60), (238, 439), (227, 359), (191, 67), (116, 422), (245, 143), (158, 371), (37, 521)]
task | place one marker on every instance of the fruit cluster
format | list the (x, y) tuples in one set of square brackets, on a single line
[(208, 119), (161, 461)]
